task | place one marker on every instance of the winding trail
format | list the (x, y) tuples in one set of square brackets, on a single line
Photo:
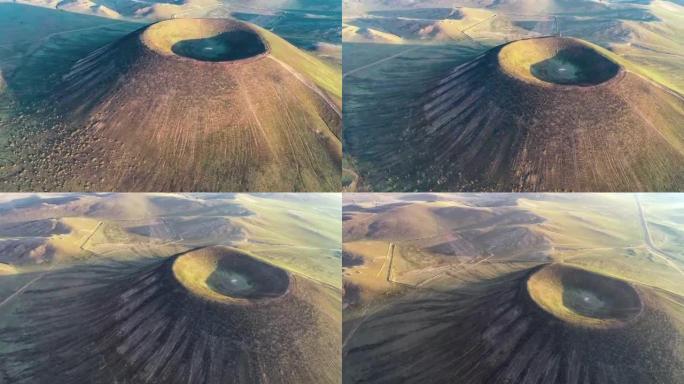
[(649, 240)]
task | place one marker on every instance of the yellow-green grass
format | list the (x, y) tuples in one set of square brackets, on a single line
[(67, 248), (602, 233), (582, 298), (111, 232), (371, 275), (401, 224), (654, 48), (6, 269), (636, 265), (354, 34), (162, 36), (664, 219), (473, 22), (291, 235), (588, 221), (292, 221), (644, 67), (478, 23), (325, 76), (385, 263), (89, 236)]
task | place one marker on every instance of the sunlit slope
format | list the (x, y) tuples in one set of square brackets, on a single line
[(351, 33), (45, 241), (423, 25), (365, 270), (325, 76), (6, 269), (581, 221), (287, 233), (548, 114), (603, 234), (197, 104), (656, 45), (664, 215)]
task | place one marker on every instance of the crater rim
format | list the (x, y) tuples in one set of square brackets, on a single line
[(558, 62), (583, 298), (230, 276), (205, 40)]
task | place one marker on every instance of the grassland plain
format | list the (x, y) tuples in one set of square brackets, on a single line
[(503, 288), (391, 85), (162, 10), (170, 288), (272, 122)]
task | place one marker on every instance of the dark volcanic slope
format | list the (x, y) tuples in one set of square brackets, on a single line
[(147, 322), (547, 114), (196, 104), (493, 332)]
